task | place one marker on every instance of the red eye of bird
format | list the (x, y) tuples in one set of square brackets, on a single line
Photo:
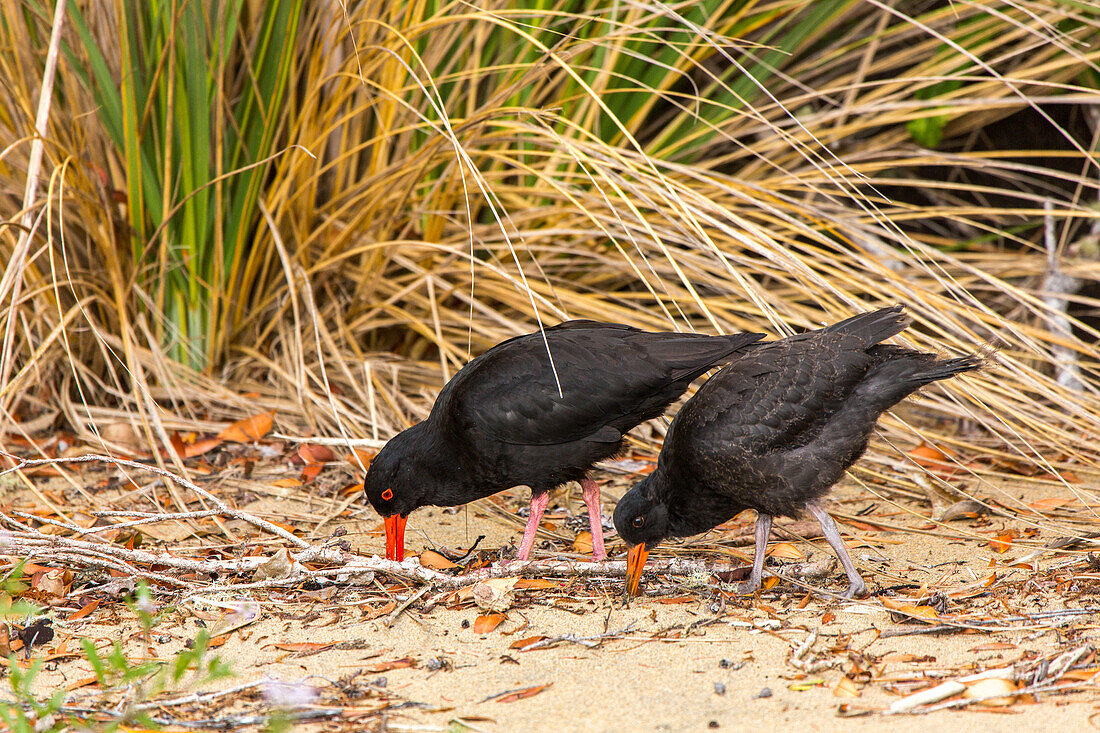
[(387, 494)]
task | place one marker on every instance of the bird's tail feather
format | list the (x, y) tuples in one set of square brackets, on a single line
[(873, 326)]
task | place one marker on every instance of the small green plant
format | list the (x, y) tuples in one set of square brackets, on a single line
[(115, 672), (26, 714)]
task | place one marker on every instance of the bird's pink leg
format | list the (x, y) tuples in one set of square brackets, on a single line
[(538, 506), (590, 490)]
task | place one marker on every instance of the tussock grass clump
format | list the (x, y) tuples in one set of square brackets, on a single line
[(335, 205)]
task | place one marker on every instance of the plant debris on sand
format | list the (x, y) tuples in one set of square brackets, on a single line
[(990, 612)]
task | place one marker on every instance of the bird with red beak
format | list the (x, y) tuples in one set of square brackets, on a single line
[(538, 410)]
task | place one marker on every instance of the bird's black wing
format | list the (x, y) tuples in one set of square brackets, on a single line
[(770, 400), (599, 378)]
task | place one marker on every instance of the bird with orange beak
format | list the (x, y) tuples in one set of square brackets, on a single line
[(772, 432), (538, 410)]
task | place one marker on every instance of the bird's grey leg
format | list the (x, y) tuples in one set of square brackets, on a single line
[(538, 506), (763, 529), (590, 490), (856, 586)]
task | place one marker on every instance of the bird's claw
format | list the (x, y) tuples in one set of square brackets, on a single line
[(856, 590)]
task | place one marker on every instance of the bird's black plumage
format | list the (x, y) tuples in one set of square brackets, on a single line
[(539, 410), (776, 428)]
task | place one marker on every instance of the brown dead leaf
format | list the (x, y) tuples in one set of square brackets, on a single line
[(1080, 675), (384, 609), (1051, 502), (249, 429), (301, 646), (524, 693), (676, 600), (769, 582), (200, 446), (933, 459), (521, 643), (1003, 688), (582, 543), (785, 550), (846, 688), (403, 663), (311, 471), (51, 583), (287, 483), (311, 454), (495, 595), (920, 612), (486, 622), (76, 685), (535, 584), (435, 561), (85, 610), (1002, 542)]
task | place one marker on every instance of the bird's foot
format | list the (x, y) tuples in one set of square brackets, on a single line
[(748, 587), (855, 590)]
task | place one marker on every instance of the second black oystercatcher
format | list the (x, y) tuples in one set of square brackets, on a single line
[(538, 410), (772, 432)]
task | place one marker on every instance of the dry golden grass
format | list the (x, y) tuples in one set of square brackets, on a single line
[(434, 194)]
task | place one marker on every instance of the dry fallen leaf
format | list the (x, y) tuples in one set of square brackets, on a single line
[(1002, 542), (524, 693), (495, 595), (249, 429), (582, 543), (85, 610), (1004, 689), (51, 583), (909, 609), (933, 459), (785, 550), (311, 471), (845, 688), (525, 642), (402, 663), (245, 613), (200, 446), (435, 561), (314, 454), (281, 565), (485, 623), (535, 584), (301, 646)]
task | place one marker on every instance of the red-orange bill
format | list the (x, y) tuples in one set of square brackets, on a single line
[(635, 561), (395, 537)]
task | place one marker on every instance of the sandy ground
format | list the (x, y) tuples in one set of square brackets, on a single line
[(662, 671)]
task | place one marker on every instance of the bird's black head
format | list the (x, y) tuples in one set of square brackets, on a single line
[(396, 483), (392, 485), (639, 518)]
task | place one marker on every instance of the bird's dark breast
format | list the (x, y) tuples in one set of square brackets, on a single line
[(541, 467)]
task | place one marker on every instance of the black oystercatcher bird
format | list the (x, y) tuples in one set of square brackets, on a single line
[(538, 410), (772, 432)]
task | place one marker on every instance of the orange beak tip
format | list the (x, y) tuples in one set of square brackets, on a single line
[(635, 561)]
